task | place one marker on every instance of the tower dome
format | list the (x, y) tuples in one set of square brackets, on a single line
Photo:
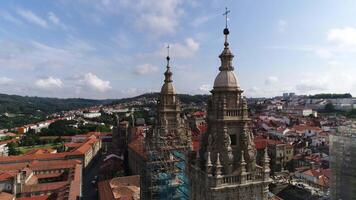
[(167, 87), (226, 77)]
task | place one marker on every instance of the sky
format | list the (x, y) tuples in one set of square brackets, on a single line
[(116, 48)]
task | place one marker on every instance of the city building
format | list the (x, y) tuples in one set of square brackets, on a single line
[(60, 180), (279, 152), (85, 151), (225, 167)]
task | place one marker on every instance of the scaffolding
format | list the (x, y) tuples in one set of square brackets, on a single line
[(165, 168)]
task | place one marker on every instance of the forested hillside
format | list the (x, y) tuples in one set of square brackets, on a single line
[(28, 105)]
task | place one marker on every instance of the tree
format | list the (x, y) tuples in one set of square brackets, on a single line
[(329, 107), (12, 148), (30, 139)]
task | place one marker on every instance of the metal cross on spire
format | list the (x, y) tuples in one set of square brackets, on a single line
[(226, 17), (167, 50), (168, 58)]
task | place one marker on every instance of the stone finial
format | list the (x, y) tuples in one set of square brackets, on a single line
[(243, 162), (209, 165), (266, 168), (266, 160), (218, 166)]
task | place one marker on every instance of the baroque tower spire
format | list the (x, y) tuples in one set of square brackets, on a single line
[(168, 73), (228, 141)]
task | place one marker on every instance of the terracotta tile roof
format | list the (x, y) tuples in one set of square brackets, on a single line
[(6, 196), (72, 144), (49, 175), (198, 114), (7, 175), (261, 143), (86, 146), (312, 172), (24, 158), (75, 184), (39, 151), (12, 167), (105, 192), (40, 165), (304, 127), (196, 145), (203, 128), (8, 141), (44, 187), (326, 172), (44, 197), (55, 164), (82, 149), (137, 146), (125, 181), (323, 181), (126, 187)]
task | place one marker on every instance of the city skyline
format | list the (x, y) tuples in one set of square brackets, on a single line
[(114, 49)]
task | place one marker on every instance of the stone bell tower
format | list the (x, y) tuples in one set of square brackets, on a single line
[(225, 167)]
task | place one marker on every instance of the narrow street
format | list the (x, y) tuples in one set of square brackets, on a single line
[(90, 191)]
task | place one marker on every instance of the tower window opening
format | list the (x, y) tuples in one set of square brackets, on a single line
[(233, 139)]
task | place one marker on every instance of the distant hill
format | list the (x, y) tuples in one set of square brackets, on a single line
[(330, 96), (28, 105), (185, 98)]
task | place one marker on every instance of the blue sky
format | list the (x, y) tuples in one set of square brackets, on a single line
[(116, 48)]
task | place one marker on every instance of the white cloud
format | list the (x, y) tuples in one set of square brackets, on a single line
[(33, 54), (331, 79), (344, 36), (158, 25), (93, 82), (49, 83), (201, 20), (32, 18), (271, 80), (145, 69), (308, 87), (323, 52), (156, 17), (282, 25), (7, 16), (181, 50), (53, 18), (5, 80), (205, 88), (121, 40)]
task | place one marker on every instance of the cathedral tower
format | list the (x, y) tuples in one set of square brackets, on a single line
[(168, 108), (166, 145), (225, 167)]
